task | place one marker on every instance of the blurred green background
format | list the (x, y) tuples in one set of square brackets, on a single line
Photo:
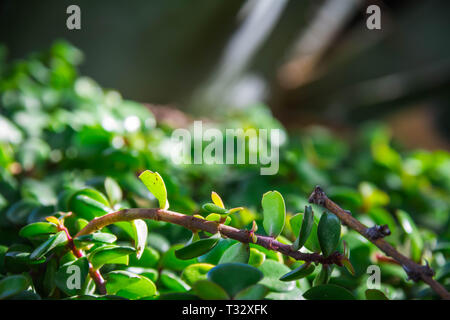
[(364, 112)]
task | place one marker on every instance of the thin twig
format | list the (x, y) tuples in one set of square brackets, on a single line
[(95, 274), (194, 223), (415, 271)]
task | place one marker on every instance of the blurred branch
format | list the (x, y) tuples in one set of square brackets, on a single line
[(415, 271)]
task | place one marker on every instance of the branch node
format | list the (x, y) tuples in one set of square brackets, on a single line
[(377, 232), (417, 273), (317, 196)]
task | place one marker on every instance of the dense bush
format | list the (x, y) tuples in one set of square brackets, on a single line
[(67, 145)]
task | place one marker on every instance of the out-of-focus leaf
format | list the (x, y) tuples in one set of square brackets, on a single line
[(88, 204), (272, 271), (256, 258), (13, 285), (209, 290), (323, 276), (173, 282), (328, 292), (113, 190), (217, 199), (255, 292), (239, 252), (234, 277), (196, 272), (170, 260), (374, 294), (410, 228)]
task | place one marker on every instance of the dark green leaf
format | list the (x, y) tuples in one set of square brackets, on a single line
[(328, 292), (13, 285), (305, 231), (234, 277), (209, 290), (328, 233), (196, 248), (298, 273)]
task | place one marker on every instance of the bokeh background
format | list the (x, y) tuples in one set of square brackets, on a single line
[(364, 113), (310, 61)]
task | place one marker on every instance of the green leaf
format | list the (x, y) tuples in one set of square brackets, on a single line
[(305, 231), (13, 285), (170, 261), (255, 292), (196, 248), (256, 258), (374, 294), (196, 272), (274, 213), (50, 276), (155, 184), (214, 255), (109, 254), (328, 233), (411, 230), (323, 276), (72, 276), (239, 252), (129, 285), (328, 292), (272, 271), (88, 203), (54, 241), (38, 229), (148, 259), (98, 237), (209, 290), (312, 242), (113, 190), (298, 273), (173, 282), (140, 236), (213, 208), (19, 212), (150, 273), (234, 277)]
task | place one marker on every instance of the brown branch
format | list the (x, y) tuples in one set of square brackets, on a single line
[(193, 223), (95, 274), (415, 271)]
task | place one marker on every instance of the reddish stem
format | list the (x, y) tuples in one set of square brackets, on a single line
[(95, 274)]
